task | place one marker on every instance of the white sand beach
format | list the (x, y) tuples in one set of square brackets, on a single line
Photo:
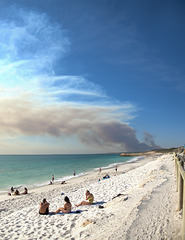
[(148, 213)]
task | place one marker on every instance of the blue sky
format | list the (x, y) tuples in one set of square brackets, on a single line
[(91, 76)]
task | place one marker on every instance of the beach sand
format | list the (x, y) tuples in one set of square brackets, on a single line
[(145, 210)]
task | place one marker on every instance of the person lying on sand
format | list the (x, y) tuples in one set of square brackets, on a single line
[(25, 191), (44, 207), (89, 197), (66, 208)]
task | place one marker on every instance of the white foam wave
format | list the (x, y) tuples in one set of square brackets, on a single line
[(113, 165), (57, 180), (135, 159)]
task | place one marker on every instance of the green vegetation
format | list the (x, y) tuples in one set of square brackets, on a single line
[(166, 150)]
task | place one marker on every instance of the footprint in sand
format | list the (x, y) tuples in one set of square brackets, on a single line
[(72, 225)]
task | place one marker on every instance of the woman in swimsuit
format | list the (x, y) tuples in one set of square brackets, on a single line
[(66, 208), (89, 197)]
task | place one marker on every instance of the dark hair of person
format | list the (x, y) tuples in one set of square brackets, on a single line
[(44, 200), (66, 199)]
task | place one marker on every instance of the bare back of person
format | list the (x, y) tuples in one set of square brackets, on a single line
[(44, 207)]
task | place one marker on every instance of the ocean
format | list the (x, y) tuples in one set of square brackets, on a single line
[(36, 170)]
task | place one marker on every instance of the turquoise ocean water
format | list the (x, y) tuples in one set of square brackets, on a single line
[(36, 170)]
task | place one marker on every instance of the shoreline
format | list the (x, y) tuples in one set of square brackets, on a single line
[(128, 165), (148, 183), (69, 179), (27, 179)]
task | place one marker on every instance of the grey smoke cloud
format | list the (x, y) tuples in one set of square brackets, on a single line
[(149, 140), (93, 126), (118, 133)]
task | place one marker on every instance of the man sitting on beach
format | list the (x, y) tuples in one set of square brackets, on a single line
[(89, 197), (44, 207), (66, 208)]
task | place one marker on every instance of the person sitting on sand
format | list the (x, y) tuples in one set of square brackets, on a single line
[(66, 208), (17, 192), (25, 191), (89, 197), (12, 190), (106, 176), (44, 207)]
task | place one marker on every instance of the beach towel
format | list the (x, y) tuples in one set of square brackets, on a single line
[(61, 213)]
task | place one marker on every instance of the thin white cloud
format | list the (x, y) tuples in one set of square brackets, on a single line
[(70, 85), (30, 49)]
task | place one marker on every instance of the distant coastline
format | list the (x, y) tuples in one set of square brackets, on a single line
[(148, 153)]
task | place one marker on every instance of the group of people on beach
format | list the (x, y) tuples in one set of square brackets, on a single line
[(16, 192), (44, 205), (53, 179)]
